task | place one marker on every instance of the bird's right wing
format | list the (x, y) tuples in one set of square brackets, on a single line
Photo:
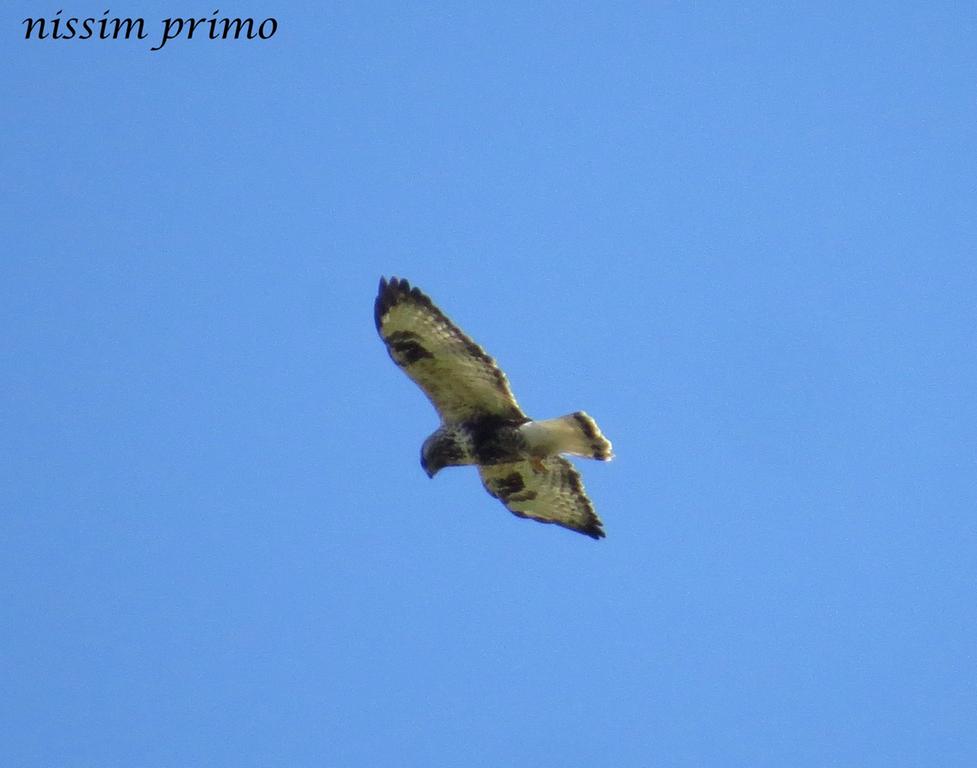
[(553, 495)]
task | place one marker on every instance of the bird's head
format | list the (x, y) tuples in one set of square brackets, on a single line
[(431, 460), (440, 450)]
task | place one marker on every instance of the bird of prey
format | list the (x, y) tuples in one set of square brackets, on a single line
[(518, 458)]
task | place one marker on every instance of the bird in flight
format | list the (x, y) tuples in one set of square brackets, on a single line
[(519, 459)]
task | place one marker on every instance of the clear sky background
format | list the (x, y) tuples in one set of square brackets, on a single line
[(742, 237)]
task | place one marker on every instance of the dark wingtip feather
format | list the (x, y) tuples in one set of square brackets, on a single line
[(594, 530), (387, 295), (378, 305), (391, 292)]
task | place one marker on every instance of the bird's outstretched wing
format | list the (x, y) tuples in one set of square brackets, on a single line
[(553, 495), (458, 377)]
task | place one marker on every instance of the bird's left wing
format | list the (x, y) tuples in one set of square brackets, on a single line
[(553, 495), (456, 374)]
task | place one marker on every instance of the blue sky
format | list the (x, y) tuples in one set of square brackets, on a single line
[(742, 237)]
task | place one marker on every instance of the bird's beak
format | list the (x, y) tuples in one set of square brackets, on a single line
[(430, 472)]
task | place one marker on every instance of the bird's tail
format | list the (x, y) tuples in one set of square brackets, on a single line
[(575, 433)]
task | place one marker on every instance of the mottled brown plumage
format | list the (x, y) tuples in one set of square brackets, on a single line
[(481, 422)]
